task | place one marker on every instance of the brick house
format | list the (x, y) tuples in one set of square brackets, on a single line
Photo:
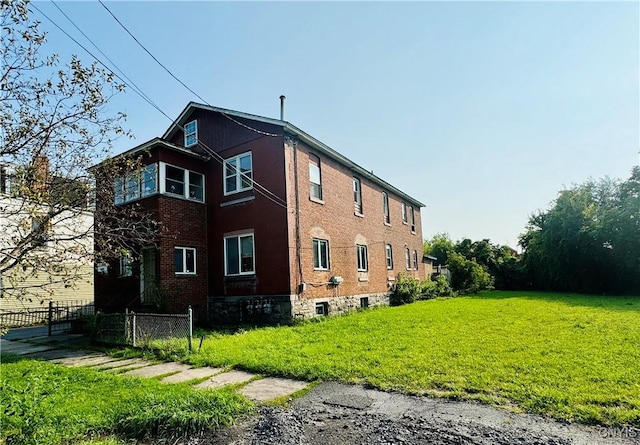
[(260, 222)]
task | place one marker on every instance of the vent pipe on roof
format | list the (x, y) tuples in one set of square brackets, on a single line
[(282, 98)]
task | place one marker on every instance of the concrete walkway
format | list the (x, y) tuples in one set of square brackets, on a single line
[(54, 349)]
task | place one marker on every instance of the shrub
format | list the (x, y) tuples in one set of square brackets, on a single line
[(407, 290)]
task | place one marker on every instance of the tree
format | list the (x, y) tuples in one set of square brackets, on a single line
[(589, 239), (55, 125)]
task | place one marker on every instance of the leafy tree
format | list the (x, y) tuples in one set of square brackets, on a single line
[(55, 124), (467, 275), (589, 239)]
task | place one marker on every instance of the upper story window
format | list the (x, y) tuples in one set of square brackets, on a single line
[(315, 177), (135, 185), (412, 219), (389, 255), (320, 254), (238, 174), (363, 258), (239, 255), (184, 260), (191, 134), (385, 207), (357, 195), (182, 182), (404, 212)]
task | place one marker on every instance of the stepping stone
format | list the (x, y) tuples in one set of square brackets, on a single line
[(191, 374), (226, 378), (89, 360), (119, 365), (271, 388), (57, 354), (156, 370)]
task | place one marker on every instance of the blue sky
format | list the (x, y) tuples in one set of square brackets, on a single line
[(481, 110)]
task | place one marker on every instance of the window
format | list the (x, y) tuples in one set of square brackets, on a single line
[(131, 186), (150, 180), (363, 259), (389, 254), (184, 260), (136, 185), (407, 257), (182, 182), (126, 265), (196, 186), (322, 308), (404, 212), (364, 302), (320, 254), (385, 207), (118, 190), (238, 174), (239, 255), (315, 178), (357, 195), (191, 134), (415, 259), (413, 219), (174, 180)]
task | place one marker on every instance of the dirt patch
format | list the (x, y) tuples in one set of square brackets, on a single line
[(336, 414)]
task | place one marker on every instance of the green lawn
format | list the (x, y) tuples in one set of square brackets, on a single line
[(569, 356), (43, 403)]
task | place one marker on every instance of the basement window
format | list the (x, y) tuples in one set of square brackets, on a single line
[(322, 308), (364, 302)]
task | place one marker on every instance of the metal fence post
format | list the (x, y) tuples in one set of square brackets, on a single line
[(50, 318), (134, 328), (190, 312)]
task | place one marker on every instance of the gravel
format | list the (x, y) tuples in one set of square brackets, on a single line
[(335, 414)]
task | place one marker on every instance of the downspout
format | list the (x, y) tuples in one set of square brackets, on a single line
[(300, 285)]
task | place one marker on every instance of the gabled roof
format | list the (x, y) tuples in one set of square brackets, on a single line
[(292, 130)]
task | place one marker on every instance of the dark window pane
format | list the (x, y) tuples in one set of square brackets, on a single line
[(232, 259), (178, 260)]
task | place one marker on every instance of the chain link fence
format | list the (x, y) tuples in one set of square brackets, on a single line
[(141, 330)]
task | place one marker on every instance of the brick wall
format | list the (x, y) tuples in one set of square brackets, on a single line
[(334, 219)]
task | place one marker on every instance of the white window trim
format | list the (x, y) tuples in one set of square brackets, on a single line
[(357, 195), (194, 133), (362, 248), (388, 255), (407, 258), (320, 243), (185, 178), (253, 254), (238, 175), (122, 195), (184, 260)]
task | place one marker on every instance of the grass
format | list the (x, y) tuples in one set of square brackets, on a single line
[(47, 403), (573, 357)]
